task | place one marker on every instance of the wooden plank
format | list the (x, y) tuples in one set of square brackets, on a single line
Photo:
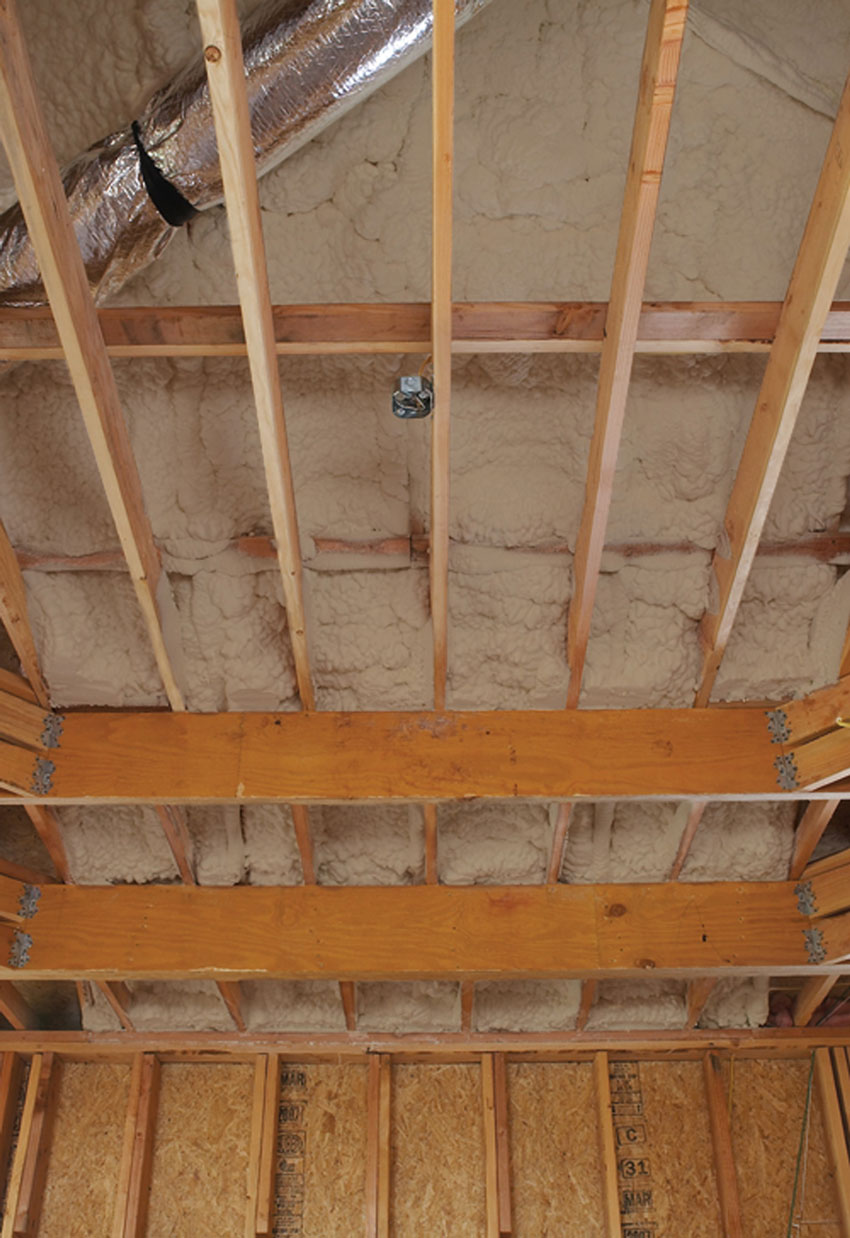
[(20, 872), (699, 991), (811, 995), (820, 260), (674, 327), (503, 1150), (817, 713), (304, 839), (42, 200), (176, 830), (560, 835), (25, 1190), (659, 71), (11, 892), (491, 1166), (429, 812), (721, 1139), (809, 832), (15, 1009), (588, 997), (836, 1144), (16, 685), (837, 859), (258, 1110), (833, 936), (348, 996), (417, 932), (828, 892), (15, 619), (134, 1179), (231, 996), (268, 1147), (467, 1005), (22, 722), (325, 757), (692, 814), (378, 1148), (17, 769), (226, 77), (120, 999), (11, 1078), (610, 1204), (822, 761), (49, 830), (442, 153), (841, 1073)]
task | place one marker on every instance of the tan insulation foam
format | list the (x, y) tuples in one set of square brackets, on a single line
[(679, 1148), (556, 1174), (82, 1173), (437, 1152), (768, 1101), (335, 1160), (199, 1179)]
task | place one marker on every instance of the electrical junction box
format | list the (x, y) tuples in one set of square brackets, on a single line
[(413, 397)]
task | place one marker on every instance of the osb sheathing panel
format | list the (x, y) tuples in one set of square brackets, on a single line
[(768, 1102), (201, 1152), (681, 1161), (335, 1160), (82, 1174), (437, 1152), (554, 1139)]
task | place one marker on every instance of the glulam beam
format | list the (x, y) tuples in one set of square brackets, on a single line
[(818, 267), (226, 77), (162, 757), (659, 71), (117, 933)]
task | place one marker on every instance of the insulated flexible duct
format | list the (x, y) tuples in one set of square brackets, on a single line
[(306, 62)]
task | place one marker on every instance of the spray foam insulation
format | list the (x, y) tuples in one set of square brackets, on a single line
[(200, 1162), (437, 1167), (556, 1175), (768, 1103), (82, 1174)]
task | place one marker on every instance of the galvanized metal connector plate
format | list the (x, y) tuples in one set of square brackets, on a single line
[(787, 775), (52, 732), (777, 725), (19, 955), (42, 778), (815, 948), (806, 900), (28, 902)]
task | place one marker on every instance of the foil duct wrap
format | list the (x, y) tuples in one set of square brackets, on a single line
[(306, 63)]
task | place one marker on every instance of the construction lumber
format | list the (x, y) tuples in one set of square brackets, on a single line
[(134, 1178), (267, 1160), (672, 327), (820, 261), (699, 991), (20, 872), (442, 163), (811, 995), (588, 997), (348, 996), (416, 932), (769, 1043), (659, 71), (120, 999), (497, 1161), (15, 1009), (690, 815), (22, 722), (231, 996), (378, 1147), (304, 841), (467, 1005), (809, 832), (607, 1151), (836, 1141), (176, 830), (226, 76), (25, 1190), (11, 1078), (42, 201), (815, 714), (821, 761), (15, 619), (255, 1149), (49, 830), (560, 834), (160, 757), (827, 892), (721, 1139), (429, 812)]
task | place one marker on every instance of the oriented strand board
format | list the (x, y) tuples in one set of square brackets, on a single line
[(681, 1160), (768, 1100), (200, 1162), (437, 1152), (556, 1174), (335, 1176), (82, 1174)]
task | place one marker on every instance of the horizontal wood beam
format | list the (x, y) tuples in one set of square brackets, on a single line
[(116, 933), (566, 1046), (400, 327), (157, 757)]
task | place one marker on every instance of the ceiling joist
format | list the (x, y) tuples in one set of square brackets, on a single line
[(42, 200)]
